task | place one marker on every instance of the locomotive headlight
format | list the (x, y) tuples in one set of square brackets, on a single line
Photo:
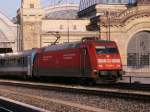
[(101, 66), (118, 66), (116, 61), (94, 70), (101, 60), (109, 61)]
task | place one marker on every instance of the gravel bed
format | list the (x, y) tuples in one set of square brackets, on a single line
[(108, 103), (44, 104)]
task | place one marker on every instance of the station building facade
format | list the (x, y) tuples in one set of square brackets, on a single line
[(126, 22), (42, 26)]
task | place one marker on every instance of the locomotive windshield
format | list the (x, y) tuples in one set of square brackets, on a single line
[(106, 50)]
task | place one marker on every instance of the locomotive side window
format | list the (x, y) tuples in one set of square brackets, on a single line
[(106, 50), (84, 51)]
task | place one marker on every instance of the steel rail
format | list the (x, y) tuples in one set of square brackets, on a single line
[(112, 92), (9, 105), (64, 104)]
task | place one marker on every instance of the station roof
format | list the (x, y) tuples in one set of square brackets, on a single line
[(64, 11), (87, 3)]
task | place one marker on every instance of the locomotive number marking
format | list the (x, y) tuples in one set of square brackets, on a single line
[(69, 56), (45, 58)]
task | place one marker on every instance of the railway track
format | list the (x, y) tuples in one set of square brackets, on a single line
[(9, 105), (100, 91), (56, 105), (127, 86), (65, 98), (14, 106)]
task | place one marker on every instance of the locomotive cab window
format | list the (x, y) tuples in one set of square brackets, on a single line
[(106, 50)]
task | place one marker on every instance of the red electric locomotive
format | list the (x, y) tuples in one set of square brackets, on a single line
[(89, 59)]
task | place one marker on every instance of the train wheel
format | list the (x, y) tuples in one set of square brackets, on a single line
[(91, 82), (82, 81), (87, 81), (26, 77), (34, 73)]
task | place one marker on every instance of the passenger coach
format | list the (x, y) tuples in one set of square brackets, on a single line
[(19, 63)]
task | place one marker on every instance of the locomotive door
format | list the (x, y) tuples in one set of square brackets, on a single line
[(83, 61)]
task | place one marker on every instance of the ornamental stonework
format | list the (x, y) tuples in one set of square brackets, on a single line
[(146, 2), (31, 35), (126, 16), (124, 26)]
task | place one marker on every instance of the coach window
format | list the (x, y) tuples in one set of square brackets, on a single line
[(25, 61), (19, 61), (22, 61), (15, 61), (2, 62), (10, 61), (6, 61)]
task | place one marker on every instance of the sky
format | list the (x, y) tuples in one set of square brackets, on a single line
[(9, 7)]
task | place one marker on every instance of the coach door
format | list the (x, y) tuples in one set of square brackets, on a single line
[(29, 66)]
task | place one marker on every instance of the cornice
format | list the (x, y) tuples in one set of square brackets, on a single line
[(126, 16)]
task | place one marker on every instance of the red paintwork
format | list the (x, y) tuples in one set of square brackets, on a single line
[(58, 59), (75, 60)]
